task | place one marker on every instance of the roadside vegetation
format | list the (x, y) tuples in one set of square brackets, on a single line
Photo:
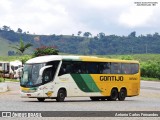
[(1, 80), (8, 80), (149, 63), (22, 47), (41, 51), (22, 43)]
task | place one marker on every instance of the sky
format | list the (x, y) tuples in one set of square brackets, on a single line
[(67, 17)]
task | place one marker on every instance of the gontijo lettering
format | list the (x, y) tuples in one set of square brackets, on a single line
[(111, 78)]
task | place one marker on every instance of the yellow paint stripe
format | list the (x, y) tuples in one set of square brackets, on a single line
[(25, 89), (96, 59)]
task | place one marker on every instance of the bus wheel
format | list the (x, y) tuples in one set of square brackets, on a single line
[(122, 95), (114, 95), (61, 95), (94, 98), (41, 99)]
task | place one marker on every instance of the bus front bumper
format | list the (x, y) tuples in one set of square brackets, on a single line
[(31, 95)]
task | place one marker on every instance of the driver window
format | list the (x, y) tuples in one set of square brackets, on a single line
[(48, 75)]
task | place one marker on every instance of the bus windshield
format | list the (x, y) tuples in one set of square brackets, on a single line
[(31, 75)]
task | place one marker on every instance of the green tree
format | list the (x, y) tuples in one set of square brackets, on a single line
[(79, 33), (87, 34), (101, 35), (6, 28), (19, 30), (44, 50), (132, 34), (24, 58), (22, 47)]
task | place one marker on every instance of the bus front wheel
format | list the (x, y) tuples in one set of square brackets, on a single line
[(61, 95), (122, 95), (41, 99), (114, 95)]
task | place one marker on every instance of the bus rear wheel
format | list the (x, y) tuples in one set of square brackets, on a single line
[(61, 95), (114, 95), (122, 95), (41, 99), (94, 98)]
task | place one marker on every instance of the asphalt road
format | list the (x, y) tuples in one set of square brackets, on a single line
[(148, 100)]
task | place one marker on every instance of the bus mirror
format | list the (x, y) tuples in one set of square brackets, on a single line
[(43, 68)]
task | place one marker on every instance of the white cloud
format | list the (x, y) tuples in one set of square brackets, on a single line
[(70, 16), (136, 16), (5, 5), (106, 4)]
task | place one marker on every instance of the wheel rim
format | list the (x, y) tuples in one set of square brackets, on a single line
[(61, 95), (114, 94), (122, 95)]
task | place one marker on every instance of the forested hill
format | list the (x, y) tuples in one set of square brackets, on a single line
[(85, 43)]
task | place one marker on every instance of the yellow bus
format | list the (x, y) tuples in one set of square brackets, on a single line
[(57, 77)]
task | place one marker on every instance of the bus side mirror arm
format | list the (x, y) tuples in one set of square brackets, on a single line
[(43, 68)]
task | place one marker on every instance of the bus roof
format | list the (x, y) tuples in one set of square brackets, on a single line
[(43, 59)]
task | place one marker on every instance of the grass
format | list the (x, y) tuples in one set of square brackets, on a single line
[(12, 58), (149, 79), (8, 80), (1, 80), (5, 46), (9, 58)]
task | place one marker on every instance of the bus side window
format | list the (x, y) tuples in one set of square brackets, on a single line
[(104, 68), (62, 69), (116, 68), (76, 68), (126, 68), (123, 69), (54, 64), (66, 68), (83, 68), (48, 74), (134, 68), (92, 68)]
